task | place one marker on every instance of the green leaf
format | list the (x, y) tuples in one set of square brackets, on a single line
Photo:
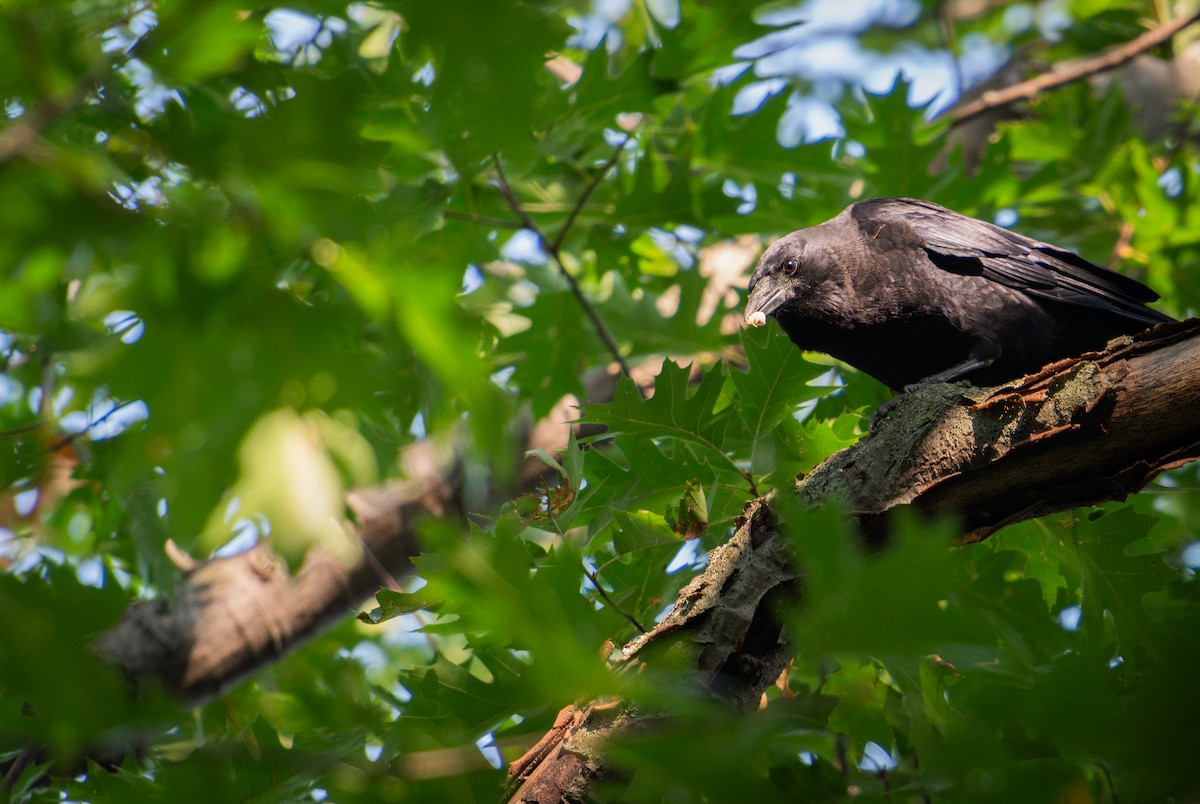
[(1115, 578), (899, 149), (487, 95), (862, 693), (777, 382), (859, 603), (1042, 547), (640, 530), (393, 604), (607, 88), (674, 410)]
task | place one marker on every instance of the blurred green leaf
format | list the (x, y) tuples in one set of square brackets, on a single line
[(279, 235)]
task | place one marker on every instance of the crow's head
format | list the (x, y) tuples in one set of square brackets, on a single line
[(781, 279)]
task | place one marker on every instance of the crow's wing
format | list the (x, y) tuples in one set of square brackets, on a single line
[(965, 245)]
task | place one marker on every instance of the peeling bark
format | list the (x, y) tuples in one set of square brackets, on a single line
[(1079, 432), (232, 616)]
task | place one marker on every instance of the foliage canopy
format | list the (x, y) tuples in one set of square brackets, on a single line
[(249, 254)]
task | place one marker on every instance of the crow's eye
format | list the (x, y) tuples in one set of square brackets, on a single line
[(790, 266)]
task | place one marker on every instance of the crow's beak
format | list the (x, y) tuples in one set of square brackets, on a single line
[(765, 298)]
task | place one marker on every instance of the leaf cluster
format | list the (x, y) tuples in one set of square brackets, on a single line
[(246, 251)]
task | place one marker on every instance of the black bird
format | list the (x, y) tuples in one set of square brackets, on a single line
[(912, 293)]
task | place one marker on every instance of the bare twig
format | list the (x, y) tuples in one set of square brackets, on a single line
[(20, 763), (511, 199), (595, 579), (551, 248), (301, 50), (70, 437), (21, 429), (587, 192), (483, 220), (1069, 72)]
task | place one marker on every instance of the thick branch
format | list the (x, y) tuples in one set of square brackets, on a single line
[(1079, 432), (232, 616)]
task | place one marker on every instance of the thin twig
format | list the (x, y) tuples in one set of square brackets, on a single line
[(551, 248), (1112, 788), (20, 763), (385, 577), (513, 203), (1069, 72), (587, 192), (20, 429), (483, 220), (591, 576), (594, 577), (67, 439), (301, 50)]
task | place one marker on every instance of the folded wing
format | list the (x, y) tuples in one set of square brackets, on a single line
[(965, 245)]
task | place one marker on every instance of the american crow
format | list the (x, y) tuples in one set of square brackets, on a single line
[(911, 293)]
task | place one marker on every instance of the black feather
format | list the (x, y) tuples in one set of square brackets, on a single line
[(911, 292), (960, 244)]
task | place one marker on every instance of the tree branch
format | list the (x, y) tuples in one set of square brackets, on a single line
[(552, 247), (232, 616), (1071, 71), (587, 193), (482, 220), (1081, 431), (595, 579)]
